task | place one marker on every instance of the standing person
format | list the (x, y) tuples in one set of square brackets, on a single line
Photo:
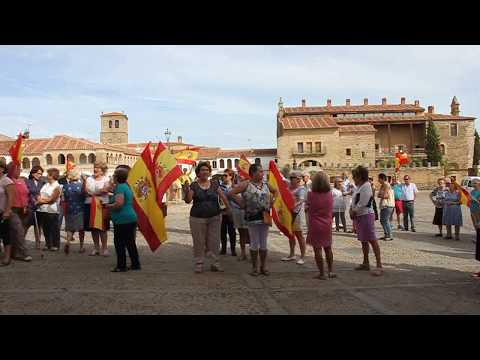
[(238, 214), (361, 212), (34, 185), (97, 185), (319, 207), (61, 210), (19, 215), (339, 204), (374, 203), (307, 182), (49, 202), (75, 199), (397, 191), (452, 212), (227, 221), (299, 222), (437, 196), (474, 206), (184, 179), (205, 216), (409, 195), (7, 198), (258, 197), (124, 221), (387, 205)]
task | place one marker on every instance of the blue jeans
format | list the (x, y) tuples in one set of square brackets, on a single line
[(385, 214)]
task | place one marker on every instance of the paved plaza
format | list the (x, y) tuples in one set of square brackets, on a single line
[(423, 275)]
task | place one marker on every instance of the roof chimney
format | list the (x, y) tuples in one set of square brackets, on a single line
[(384, 101), (431, 109), (347, 102), (365, 101), (417, 103), (304, 103), (329, 102), (402, 101)]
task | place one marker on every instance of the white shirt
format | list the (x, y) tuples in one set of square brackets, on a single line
[(47, 191), (363, 194), (408, 192), (338, 200), (93, 185)]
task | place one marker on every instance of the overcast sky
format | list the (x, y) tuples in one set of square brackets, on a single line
[(218, 95)]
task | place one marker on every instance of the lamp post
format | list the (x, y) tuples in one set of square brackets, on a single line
[(168, 133)]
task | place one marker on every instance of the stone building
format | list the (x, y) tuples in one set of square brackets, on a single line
[(346, 135), (114, 128)]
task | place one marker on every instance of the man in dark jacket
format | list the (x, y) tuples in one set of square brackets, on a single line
[(34, 185)]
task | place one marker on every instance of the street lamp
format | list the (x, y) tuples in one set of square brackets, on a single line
[(168, 133)]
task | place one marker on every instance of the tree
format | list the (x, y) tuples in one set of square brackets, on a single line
[(476, 149), (432, 144)]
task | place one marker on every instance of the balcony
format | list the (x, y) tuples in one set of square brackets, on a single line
[(385, 153), (297, 154)]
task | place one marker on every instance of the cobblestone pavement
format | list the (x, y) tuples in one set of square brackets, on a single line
[(423, 275)]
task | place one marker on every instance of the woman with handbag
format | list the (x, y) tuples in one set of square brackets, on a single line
[(257, 196), (363, 216), (205, 216), (299, 222)]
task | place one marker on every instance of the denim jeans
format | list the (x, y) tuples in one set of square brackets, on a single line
[(385, 214)]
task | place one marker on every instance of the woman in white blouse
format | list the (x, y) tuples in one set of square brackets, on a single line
[(49, 209), (97, 186)]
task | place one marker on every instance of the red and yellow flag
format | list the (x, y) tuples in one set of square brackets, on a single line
[(401, 158), (243, 167), (465, 197), (16, 153), (96, 214), (165, 170), (282, 210), (141, 180), (188, 156)]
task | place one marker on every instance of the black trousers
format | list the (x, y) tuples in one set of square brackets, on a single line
[(340, 215), (124, 238), (4, 231), (51, 229), (227, 226)]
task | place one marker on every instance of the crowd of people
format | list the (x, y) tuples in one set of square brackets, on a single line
[(219, 210)]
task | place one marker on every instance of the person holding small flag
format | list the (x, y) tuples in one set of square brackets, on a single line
[(452, 212)]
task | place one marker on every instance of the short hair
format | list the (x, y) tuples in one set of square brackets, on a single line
[(321, 183), (121, 175), (34, 170), (126, 167), (3, 165), (337, 181), (101, 165), (254, 168), (229, 172), (382, 176), (54, 173), (203, 164), (361, 173), (443, 179)]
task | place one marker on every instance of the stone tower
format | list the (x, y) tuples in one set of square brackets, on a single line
[(114, 128), (455, 107)]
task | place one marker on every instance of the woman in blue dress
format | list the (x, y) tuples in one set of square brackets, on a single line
[(452, 213)]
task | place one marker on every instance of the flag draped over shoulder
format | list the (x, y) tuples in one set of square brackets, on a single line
[(149, 213), (465, 197), (16, 152), (96, 214), (243, 167), (282, 210), (188, 156), (165, 170)]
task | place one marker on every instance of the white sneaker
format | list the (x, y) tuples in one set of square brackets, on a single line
[(300, 261), (289, 258), (106, 253)]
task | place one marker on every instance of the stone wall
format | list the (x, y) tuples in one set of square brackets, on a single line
[(458, 149), (358, 142)]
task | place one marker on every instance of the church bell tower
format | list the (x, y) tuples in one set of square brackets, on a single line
[(114, 128)]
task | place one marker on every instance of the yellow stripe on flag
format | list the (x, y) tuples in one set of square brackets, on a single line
[(188, 156), (96, 214)]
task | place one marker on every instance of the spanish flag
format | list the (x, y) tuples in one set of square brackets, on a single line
[(16, 153), (188, 156), (282, 210), (96, 214), (465, 197), (141, 180), (243, 167), (401, 158), (165, 170)]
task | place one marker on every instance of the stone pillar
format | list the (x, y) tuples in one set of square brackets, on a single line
[(411, 138)]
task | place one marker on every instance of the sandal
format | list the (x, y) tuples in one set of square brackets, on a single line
[(363, 267), (332, 275), (94, 253), (377, 272), (118, 270), (320, 277), (254, 272), (264, 272)]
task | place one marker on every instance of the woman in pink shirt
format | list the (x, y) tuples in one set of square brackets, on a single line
[(19, 215)]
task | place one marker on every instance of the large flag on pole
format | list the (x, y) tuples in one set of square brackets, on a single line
[(149, 213), (96, 214), (243, 167), (165, 170), (188, 156), (401, 158), (282, 210), (16, 153)]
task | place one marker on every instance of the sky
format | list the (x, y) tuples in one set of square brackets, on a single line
[(222, 96)]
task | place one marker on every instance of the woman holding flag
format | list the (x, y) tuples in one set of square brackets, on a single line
[(257, 196)]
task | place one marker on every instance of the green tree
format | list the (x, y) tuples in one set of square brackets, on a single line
[(432, 144), (476, 149)]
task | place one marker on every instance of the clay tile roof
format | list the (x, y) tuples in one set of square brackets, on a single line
[(419, 118), (356, 128), (113, 113), (208, 153), (265, 152), (308, 122), (5, 138), (353, 109)]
